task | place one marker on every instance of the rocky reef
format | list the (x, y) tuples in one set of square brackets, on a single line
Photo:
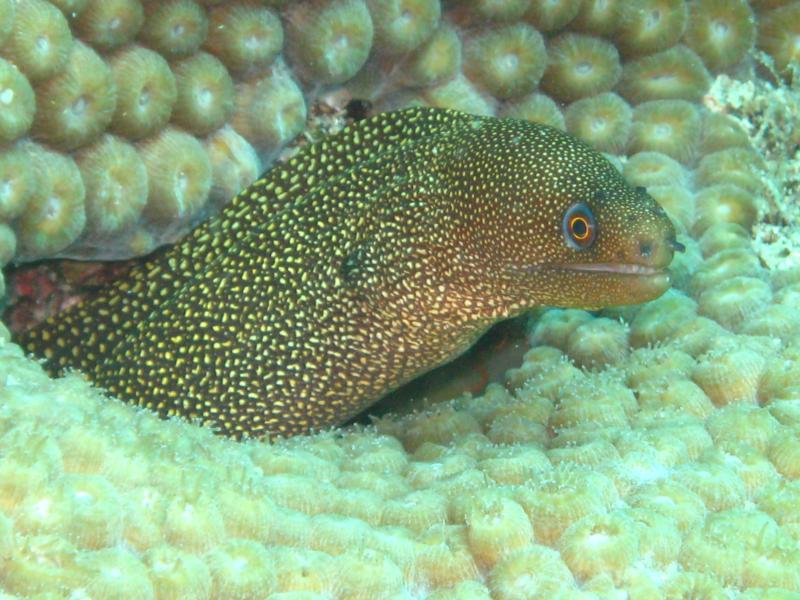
[(641, 452)]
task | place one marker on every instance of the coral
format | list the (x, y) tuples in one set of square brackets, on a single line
[(402, 25), (778, 34), (722, 32), (17, 100), (55, 214), (8, 9), (730, 376), (724, 236), (508, 61), (604, 121), (657, 321), (654, 168), (743, 423), (240, 569), (328, 41), (115, 179), (580, 66), (245, 38), (600, 342), (8, 244), (500, 10), (556, 499), (205, 94), (496, 527), (536, 571), (598, 17), (459, 94), (552, 15), (174, 28), (724, 203), (176, 574), (234, 163), (735, 300), (721, 132), (784, 452), (675, 74), (81, 101), (647, 26), (178, 176), (269, 111), (146, 92), (723, 265), (668, 448), (17, 183), (671, 127), (600, 543), (737, 166), (109, 24), (536, 108), (677, 201), (437, 59), (40, 40)]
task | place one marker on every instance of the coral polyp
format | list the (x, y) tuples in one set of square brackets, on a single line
[(116, 185), (328, 41), (725, 203), (40, 40), (55, 215), (109, 24), (234, 163), (245, 38), (17, 183), (402, 25), (598, 17), (552, 15), (507, 61), (647, 26), (205, 94), (604, 121), (174, 28), (178, 176), (677, 73), (671, 127), (437, 59), (722, 32), (80, 101), (779, 35), (146, 92), (536, 108), (8, 9), (17, 100), (269, 111), (580, 66)]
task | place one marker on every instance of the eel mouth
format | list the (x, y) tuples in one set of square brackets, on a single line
[(618, 268)]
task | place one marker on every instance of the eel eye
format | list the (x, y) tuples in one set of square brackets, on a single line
[(579, 227)]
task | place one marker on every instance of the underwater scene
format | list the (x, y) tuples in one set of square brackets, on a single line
[(400, 299)]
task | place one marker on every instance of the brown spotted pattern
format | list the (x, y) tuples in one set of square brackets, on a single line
[(367, 259)]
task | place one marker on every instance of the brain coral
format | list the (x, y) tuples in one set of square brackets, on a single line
[(645, 452)]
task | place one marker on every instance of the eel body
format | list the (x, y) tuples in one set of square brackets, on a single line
[(365, 260)]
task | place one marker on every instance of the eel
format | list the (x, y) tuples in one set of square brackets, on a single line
[(365, 260)]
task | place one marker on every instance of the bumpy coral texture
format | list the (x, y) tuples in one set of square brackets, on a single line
[(643, 452), (74, 72)]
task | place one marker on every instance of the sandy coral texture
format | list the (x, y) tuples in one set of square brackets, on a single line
[(640, 452)]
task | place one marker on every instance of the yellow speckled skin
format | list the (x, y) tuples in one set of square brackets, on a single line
[(364, 261)]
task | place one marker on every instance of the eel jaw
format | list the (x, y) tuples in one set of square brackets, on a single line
[(621, 268), (592, 286), (633, 284)]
